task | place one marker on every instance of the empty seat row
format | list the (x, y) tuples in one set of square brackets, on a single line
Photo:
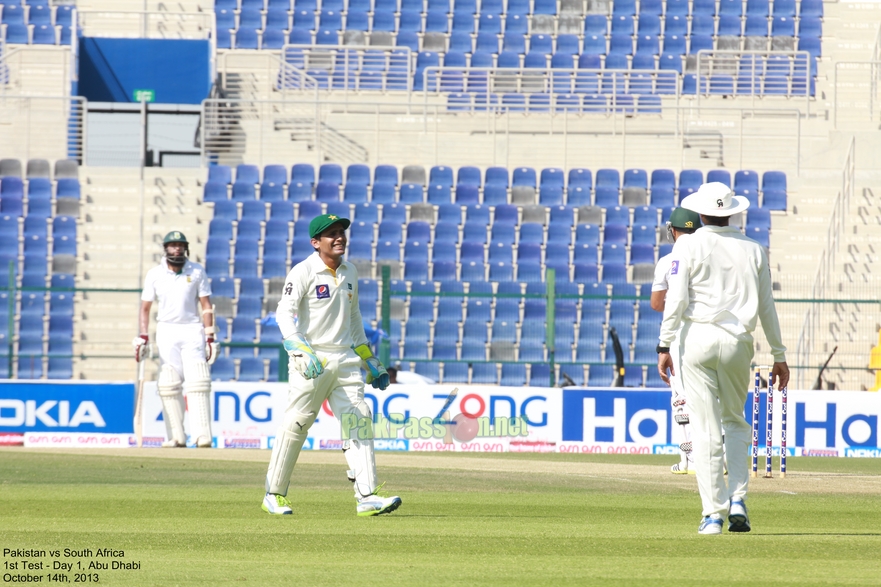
[(550, 7), (492, 176)]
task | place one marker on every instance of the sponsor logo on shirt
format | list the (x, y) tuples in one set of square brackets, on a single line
[(350, 286), (322, 291), (674, 268), (288, 288)]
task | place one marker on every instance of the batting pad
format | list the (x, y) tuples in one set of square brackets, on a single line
[(197, 382), (173, 406), (362, 466), (288, 442)]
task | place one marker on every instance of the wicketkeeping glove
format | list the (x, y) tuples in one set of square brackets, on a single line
[(305, 361), (377, 376), (140, 343)]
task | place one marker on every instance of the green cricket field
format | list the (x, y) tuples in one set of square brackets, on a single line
[(135, 517)]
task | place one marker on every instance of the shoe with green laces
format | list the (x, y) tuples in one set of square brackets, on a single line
[(276, 504), (375, 505)]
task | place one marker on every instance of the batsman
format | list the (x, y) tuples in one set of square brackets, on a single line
[(323, 333), (185, 339)]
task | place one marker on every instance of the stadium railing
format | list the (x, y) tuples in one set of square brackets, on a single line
[(812, 336), (267, 131)]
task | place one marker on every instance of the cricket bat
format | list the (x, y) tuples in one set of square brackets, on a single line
[(139, 427)]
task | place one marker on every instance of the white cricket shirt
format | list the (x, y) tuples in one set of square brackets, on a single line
[(321, 304), (719, 276), (662, 273), (178, 293)]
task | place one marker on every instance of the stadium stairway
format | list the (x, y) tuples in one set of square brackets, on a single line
[(37, 70), (165, 26), (115, 258)]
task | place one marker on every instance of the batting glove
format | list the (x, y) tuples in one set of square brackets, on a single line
[(212, 348), (306, 362), (377, 376), (140, 343)]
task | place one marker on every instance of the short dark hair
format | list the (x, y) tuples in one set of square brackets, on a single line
[(715, 220)]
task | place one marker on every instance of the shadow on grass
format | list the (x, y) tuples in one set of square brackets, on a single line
[(820, 534)]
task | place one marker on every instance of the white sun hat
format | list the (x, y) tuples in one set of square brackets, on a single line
[(715, 199)]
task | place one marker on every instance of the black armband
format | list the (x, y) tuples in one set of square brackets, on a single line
[(662, 349)]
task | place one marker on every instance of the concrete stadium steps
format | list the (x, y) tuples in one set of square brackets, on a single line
[(37, 70), (36, 120), (102, 18), (37, 128), (113, 256), (249, 75), (850, 31), (355, 133)]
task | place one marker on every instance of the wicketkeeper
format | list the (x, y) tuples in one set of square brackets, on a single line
[(681, 222), (185, 338), (321, 324)]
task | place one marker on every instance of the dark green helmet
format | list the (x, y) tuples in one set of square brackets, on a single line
[(175, 237)]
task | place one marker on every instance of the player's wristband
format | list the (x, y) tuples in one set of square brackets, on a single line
[(662, 349), (363, 351), (209, 331)]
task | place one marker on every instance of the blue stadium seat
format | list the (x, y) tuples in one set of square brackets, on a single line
[(730, 25), (215, 192), (220, 173), (223, 369), (811, 8), (774, 199)]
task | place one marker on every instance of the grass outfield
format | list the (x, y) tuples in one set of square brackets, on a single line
[(193, 518)]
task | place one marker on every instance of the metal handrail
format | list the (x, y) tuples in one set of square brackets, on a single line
[(328, 118), (874, 67), (826, 265), (706, 59)]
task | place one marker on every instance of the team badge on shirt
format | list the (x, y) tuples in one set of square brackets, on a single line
[(674, 268), (322, 291)]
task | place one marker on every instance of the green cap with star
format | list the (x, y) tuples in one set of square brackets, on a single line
[(321, 223)]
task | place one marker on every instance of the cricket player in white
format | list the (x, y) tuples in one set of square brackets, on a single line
[(323, 332), (682, 222), (720, 285), (185, 338)]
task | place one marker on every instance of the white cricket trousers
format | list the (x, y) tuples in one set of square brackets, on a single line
[(179, 344), (715, 377), (340, 384)]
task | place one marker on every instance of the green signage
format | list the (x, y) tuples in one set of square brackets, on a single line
[(144, 95)]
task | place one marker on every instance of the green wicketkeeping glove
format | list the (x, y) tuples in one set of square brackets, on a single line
[(306, 362), (377, 376)]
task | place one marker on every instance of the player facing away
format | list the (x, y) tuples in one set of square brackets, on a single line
[(185, 338), (681, 222), (323, 333), (720, 287)]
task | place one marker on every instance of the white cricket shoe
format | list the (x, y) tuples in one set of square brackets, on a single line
[(710, 525), (738, 518), (172, 443), (204, 442), (375, 505), (276, 504)]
